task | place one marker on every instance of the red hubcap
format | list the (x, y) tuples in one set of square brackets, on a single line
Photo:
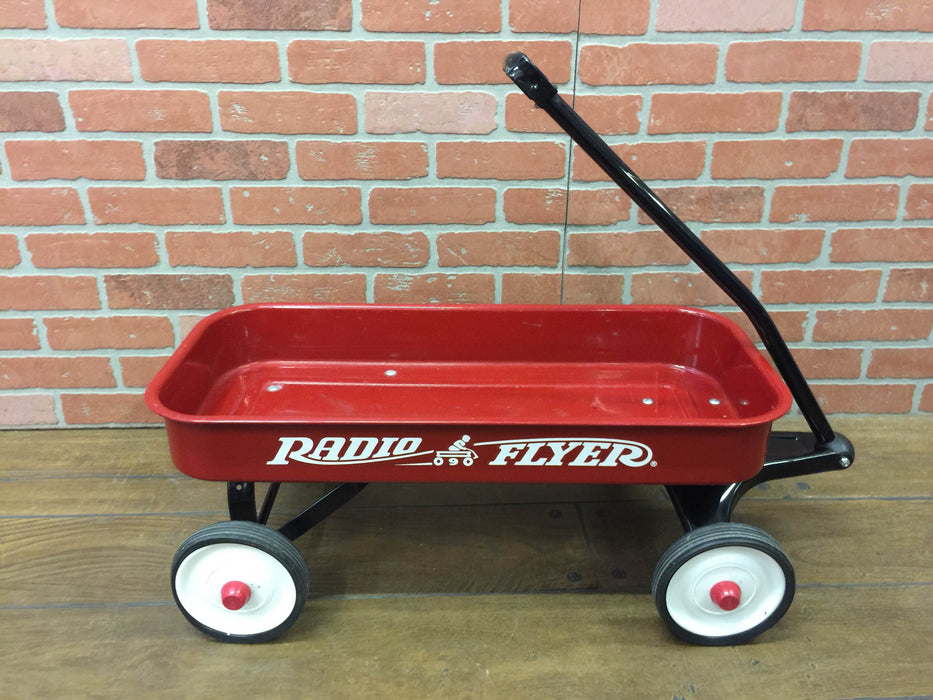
[(234, 595), (726, 594)]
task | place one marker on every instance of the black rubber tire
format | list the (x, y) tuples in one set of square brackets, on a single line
[(259, 537), (710, 537)]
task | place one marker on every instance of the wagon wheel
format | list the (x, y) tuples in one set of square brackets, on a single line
[(723, 584), (239, 581)]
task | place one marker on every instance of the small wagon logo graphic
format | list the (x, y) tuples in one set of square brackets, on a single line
[(455, 454)]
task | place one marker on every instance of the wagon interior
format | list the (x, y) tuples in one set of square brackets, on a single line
[(553, 365)]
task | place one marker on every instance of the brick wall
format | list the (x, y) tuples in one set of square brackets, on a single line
[(164, 159)]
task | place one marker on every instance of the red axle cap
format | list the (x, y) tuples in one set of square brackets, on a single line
[(234, 595), (727, 595)]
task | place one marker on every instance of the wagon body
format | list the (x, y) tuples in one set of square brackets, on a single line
[(353, 394), (582, 394)]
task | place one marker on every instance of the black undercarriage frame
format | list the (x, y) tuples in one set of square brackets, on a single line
[(789, 454)]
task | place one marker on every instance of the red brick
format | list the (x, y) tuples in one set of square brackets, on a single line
[(35, 206), (307, 288), (725, 15), (69, 59), (766, 246), (107, 249), (877, 15), (543, 160), (280, 14), (499, 248), (926, 398), (526, 288), (793, 61), (614, 16), (770, 160), (31, 111), (829, 363), (18, 334), (364, 160), (465, 288), (430, 113), (882, 244), (255, 112), (187, 322), (749, 112), (919, 202), (38, 292), (370, 62), (208, 61), (55, 372), (432, 205), (127, 14), (480, 62), (549, 206), (819, 286), (929, 124), (444, 16), (72, 160), (139, 370), (82, 333), (894, 157), (713, 204), (845, 325), (159, 206), (691, 288), (593, 289), (865, 398), (594, 16), (222, 160), (103, 409), (606, 114), (900, 61), (159, 291), (791, 324), (912, 284), (141, 110), (618, 249), (365, 249), (22, 14), (233, 249), (27, 410), (9, 251), (649, 64), (552, 16), (801, 203), (296, 205), (853, 111), (668, 160)]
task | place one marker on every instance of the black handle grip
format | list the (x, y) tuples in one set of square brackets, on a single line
[(529, 78)]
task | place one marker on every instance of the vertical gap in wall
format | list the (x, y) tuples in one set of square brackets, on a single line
[(573, 103)]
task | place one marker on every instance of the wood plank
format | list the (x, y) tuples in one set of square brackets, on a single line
[(891, 458), (91, 452), (126, 559), (467, 549), (555, 646), (116, 495), (828, 542)]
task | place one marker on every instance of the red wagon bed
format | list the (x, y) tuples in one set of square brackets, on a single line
[(646, 394)]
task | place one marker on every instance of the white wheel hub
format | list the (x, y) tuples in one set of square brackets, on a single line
[(694, 586), (203, 574)]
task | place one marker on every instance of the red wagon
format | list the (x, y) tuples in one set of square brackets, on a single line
[(353, 394)]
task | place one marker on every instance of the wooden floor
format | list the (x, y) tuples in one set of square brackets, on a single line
[(457, 591)]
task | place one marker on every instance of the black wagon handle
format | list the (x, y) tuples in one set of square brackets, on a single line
[(539, 89)]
